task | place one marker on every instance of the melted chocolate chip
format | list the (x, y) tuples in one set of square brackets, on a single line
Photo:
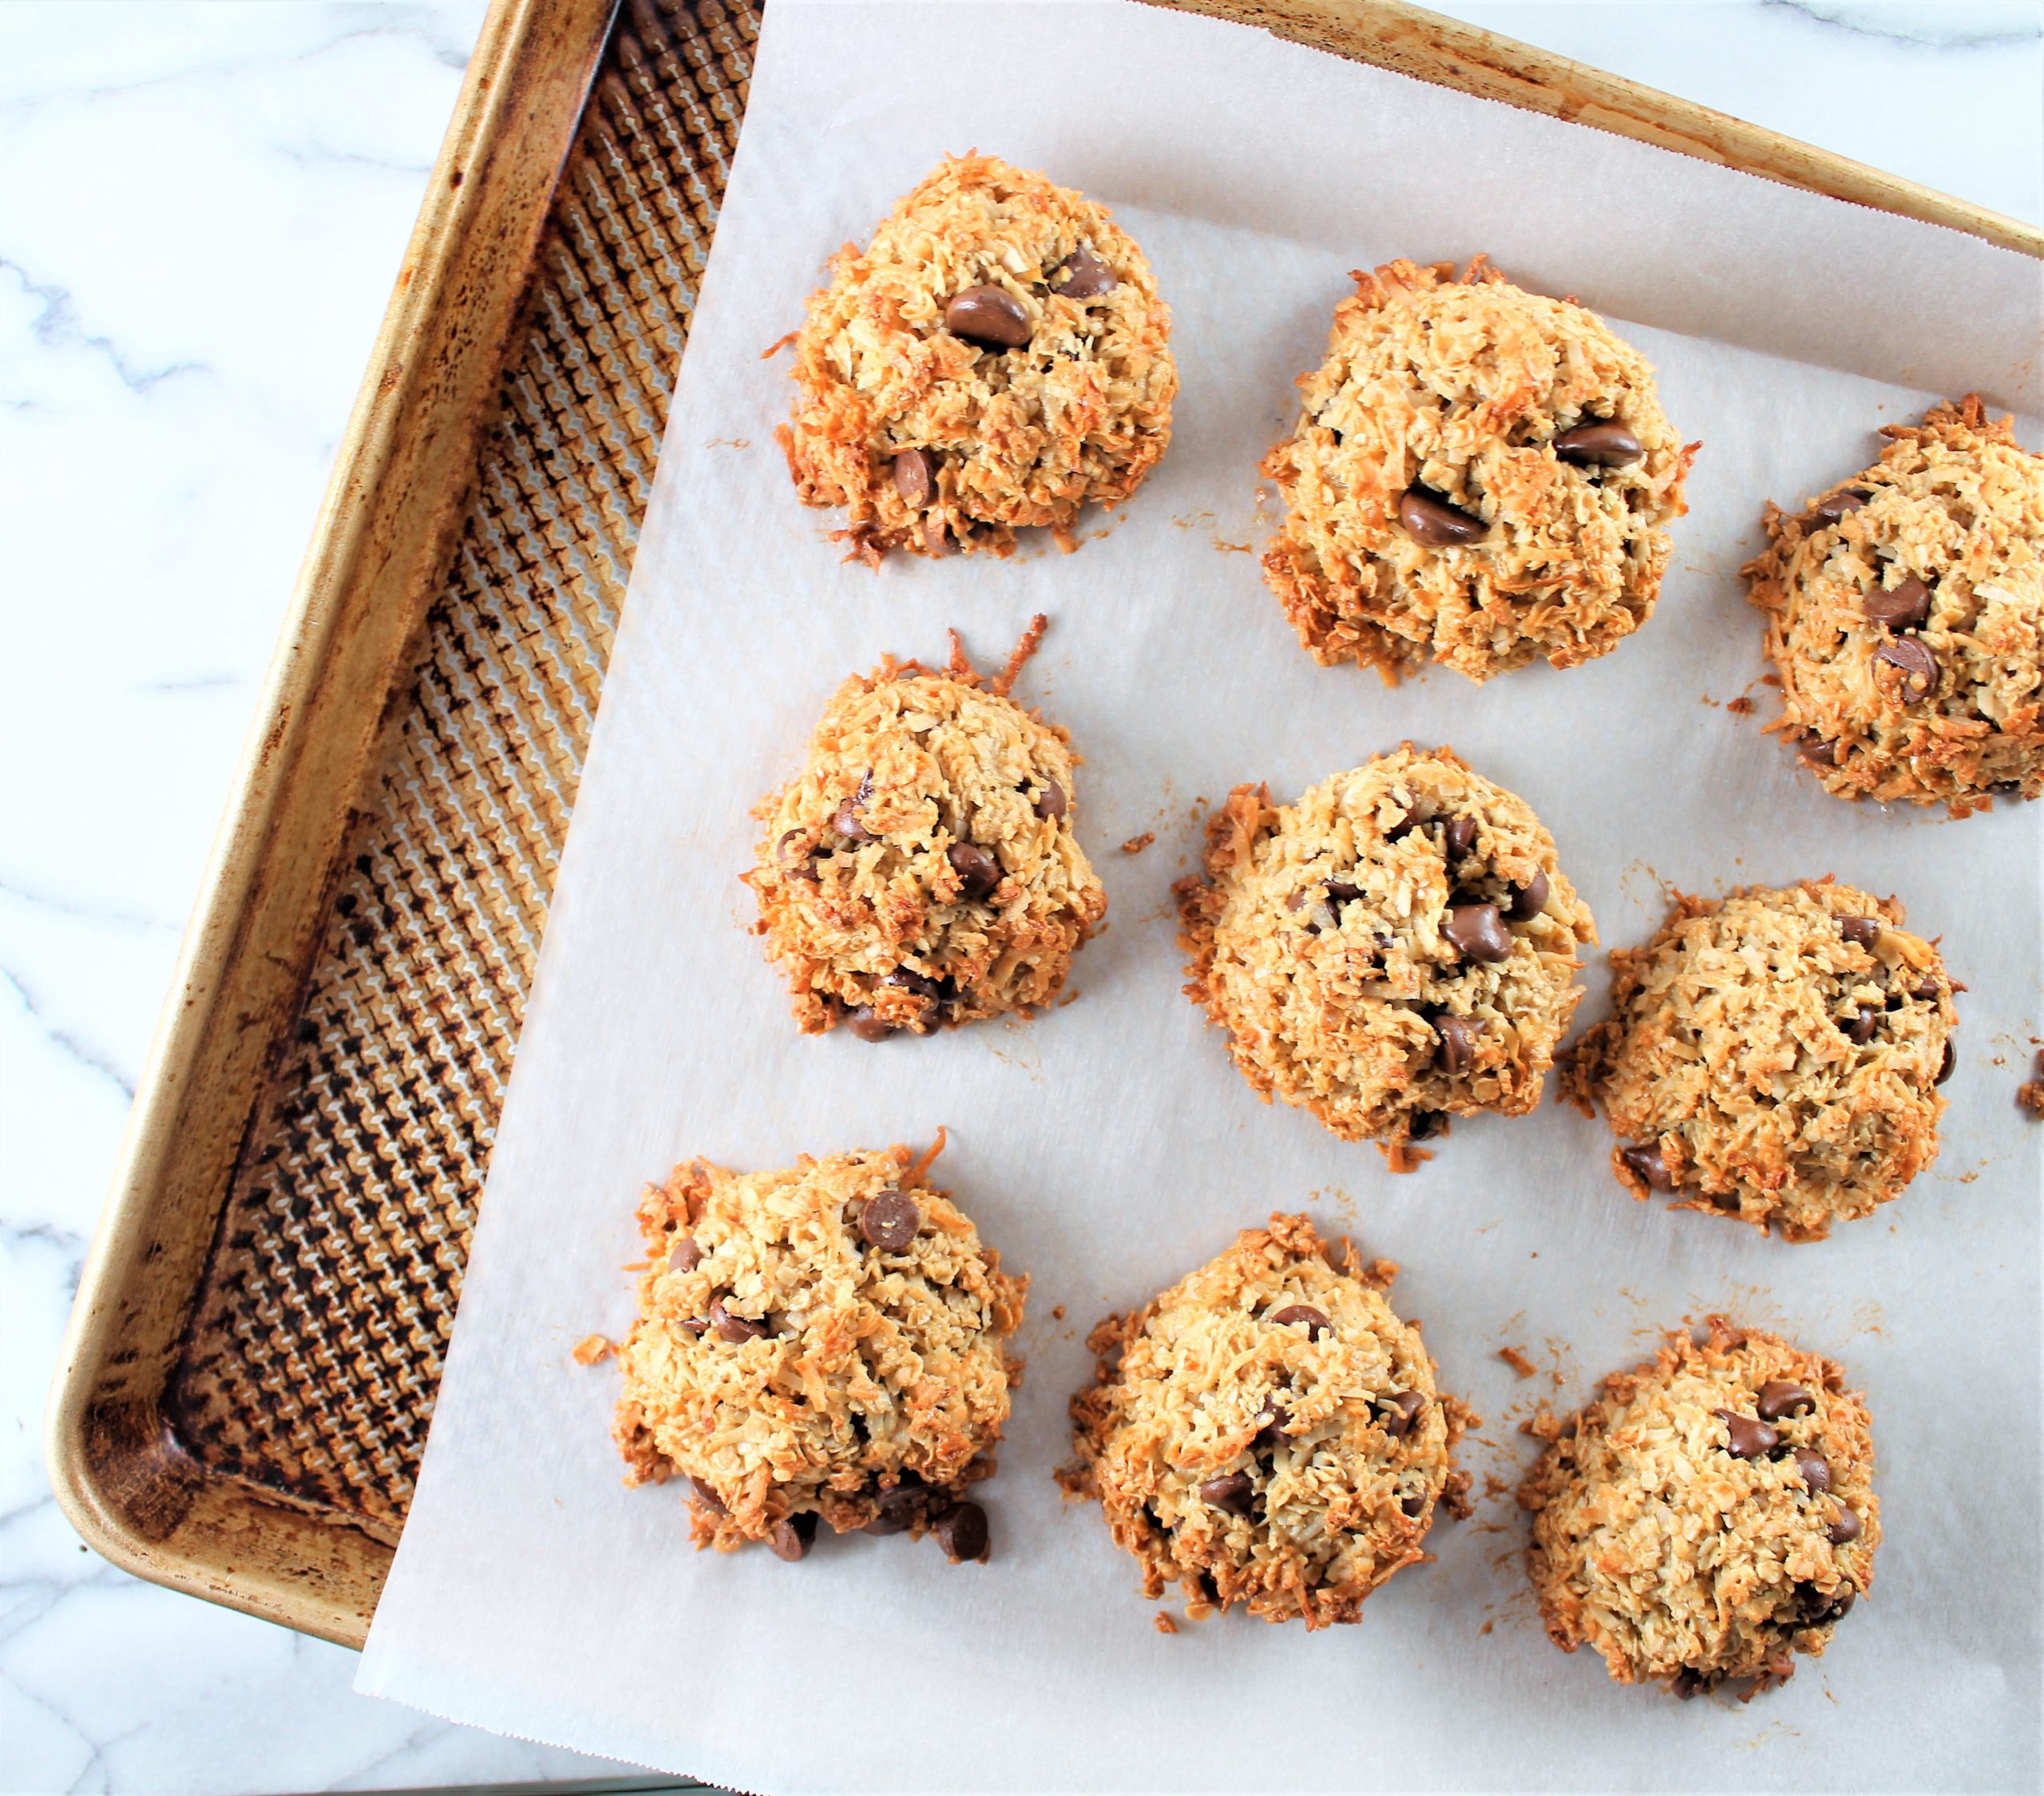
[(733, 1327), (990, 316), (1602, 444), (1746, 1438), (1339, 891), (1861, 1029), (1948, 1065), (1412, 1507), (846, 823), (1865, 931), (1688, 1682), (1832, 510), (1899, 607), (1433, 522), (706, 1495), (1846, 1528), (1925, 988), (907, 978), (1317, 1323), (1918, 665), (1457, 1045), (1528, 901), (686, 1256), (1778, 1397), (1459, 837), (1051, 801), (794, 1535), (1818, 752), (915, 477), (899, 1506), (1271, 1424), (1818, 1608), (1421, 1124), (1087, 276), (978, 872), (1815, 1468), (866, 1026), (961, 1530), (1648, 1164), (1231, 1490), (1404, 1409), (890, 1220), (1477, 933)]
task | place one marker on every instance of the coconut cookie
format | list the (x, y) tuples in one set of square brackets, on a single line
[(1773, 1056), (1479, 474), (922, 870), (1708, 1517), (1396, 947), (1268, 1432), (997, 357), (824, 1342), (1905, 617)]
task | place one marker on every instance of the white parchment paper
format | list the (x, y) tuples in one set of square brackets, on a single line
[(1109, 1146)]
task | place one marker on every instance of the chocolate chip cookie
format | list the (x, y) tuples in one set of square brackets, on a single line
[(1268, 1432), (997, 357), (1709, 1515), (1772, 1057), (1479, 474), (1905, 617), (823, 1342), (1396, 947), (921, 870)]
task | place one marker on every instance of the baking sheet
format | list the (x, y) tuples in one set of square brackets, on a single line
[(1109, 1146)]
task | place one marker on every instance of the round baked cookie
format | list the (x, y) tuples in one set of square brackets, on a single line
[(1479, 474), (922, 870), (1905, 617), (996, 358), (1772, 1057), (1396, 947), (1709, 1515), (823, 1341), (1268, 1432)]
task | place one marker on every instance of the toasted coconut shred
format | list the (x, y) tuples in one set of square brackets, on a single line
[(1319, 940), (1268, 1432), (1772, 1057), (1000, 437), (1460, 388), (1905, 615), (1709, 1515), (799, 1355)]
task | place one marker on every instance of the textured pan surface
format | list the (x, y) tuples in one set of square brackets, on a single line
[(316, 1346)]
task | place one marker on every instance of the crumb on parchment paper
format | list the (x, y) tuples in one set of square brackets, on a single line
[(1164, 1624), (1515, 1358), (591, 1348), (1136, 844), (2031, 1094)]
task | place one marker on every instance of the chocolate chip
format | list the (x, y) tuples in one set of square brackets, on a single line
[(962, 1532), (1317, 1323), (1865, 931), (1405, 1410), (686, 1256), (730, 1327), (1648, 1163), (1818, 752), (1688, 1682), (1901, 607), (1339, 891), (890, 1220), (1413, 1506), (793, 1536), (936, 537), (1421, 1124), (1778, 1397), (1528, 901), (1403, 827), (1819, 1609), (1459, 837), (1747, 1439), (867, 1026), (1832, 510), (706, 1495), (1457, 1046), (1087, 276), (1861, 1029), (1051, 801), (781, 848), (846, 823), (1270, 1425), (908, 979), (898, 1506), (1919, 667), (1946, 1065), (1846, 1528), (1925, 988), (1603, 444), (990, 316), (1231, 1490), (915, 476), (1815, 1468), (1433, 522), (888, 1522), (1477, 932), (978, 872), (695, 1326)]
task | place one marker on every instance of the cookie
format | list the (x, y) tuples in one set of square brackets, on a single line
[(1268, 1432), (823, 1342), (996, 358), (1772, 1057), (1396, 947), (921, 870), (1479, 474), (1905, 618), (1709, 1515)]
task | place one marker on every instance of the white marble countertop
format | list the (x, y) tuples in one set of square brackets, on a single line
[(202, 204)]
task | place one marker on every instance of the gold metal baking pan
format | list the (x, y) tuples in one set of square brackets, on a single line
[(262, 1322)]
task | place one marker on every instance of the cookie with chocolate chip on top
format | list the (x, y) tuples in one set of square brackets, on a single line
[(996, 358), (1268, 1432), (1479, 476), (1905, 618), (1710, 1516), (822, 1344), (1772, 1057), (1396, 947), (922, 870)]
